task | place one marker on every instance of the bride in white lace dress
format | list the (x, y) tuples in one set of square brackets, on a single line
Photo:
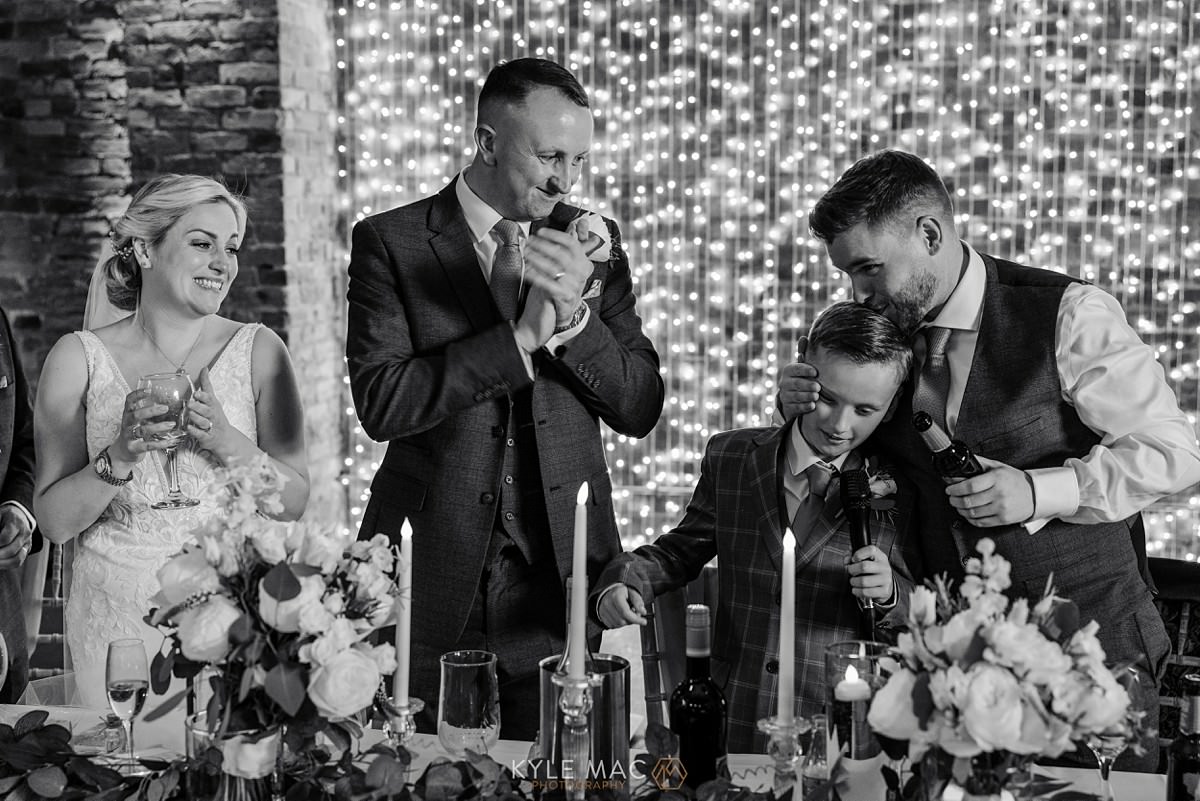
[(174, 258)]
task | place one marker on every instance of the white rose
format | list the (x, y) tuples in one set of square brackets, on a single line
[(958, 633), (340, 636), (922, 607), (1101, 705), (992, 711), (344, 685), (204, 631), (1027, 650), (891, 712), (321, 551), (285, 615), (384, 656), (271, 544), (314, 618), (186, 575)]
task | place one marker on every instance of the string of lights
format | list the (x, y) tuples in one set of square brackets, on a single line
[(1064, 129)]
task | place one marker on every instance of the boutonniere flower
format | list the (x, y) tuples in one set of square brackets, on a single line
[(593, 233), (882, 487)]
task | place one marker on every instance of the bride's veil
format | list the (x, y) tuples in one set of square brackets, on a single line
[(99, 310)]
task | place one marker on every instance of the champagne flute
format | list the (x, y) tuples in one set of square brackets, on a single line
[(172, 390), (127, 679), (1109, 744)]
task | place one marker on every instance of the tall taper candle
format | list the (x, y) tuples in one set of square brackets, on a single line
[(579, 587), (787, 629), (403, 616)]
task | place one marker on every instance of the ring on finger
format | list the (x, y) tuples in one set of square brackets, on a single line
[(559, 275)]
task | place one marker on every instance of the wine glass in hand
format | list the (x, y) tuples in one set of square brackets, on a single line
[(1128, 731), (172, 390), (127, 679)]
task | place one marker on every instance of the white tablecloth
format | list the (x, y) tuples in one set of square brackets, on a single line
[(159, 739)]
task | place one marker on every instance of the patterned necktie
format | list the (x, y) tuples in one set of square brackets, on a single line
[(933, 385), (809, 510), (506, 269)]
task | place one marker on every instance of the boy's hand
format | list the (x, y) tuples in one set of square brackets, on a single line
[(870, 574), (999, 496), (620, 606)]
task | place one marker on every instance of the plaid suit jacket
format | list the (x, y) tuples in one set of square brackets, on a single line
[(735, 515)]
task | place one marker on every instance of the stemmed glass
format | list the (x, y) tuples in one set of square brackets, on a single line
[(1112, 742), (172, 390), (127, 679)]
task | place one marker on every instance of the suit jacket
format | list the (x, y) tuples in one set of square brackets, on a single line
[(16, 484), (433, 368), (1013, 411), (735, 515)]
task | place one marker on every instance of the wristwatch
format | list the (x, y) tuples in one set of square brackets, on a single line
[(103, 467), (575, 318)]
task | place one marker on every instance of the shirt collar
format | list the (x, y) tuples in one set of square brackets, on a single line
[(964, 308), (801, 455), (481, 217)]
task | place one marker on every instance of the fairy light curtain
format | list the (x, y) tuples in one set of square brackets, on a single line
[(1065, 131)]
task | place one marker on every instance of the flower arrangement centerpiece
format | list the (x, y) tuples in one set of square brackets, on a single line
[(281, 613), (984, 686)]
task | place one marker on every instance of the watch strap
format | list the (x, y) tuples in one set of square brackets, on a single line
[(103, 468)]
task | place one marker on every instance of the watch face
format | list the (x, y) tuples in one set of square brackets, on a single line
[(102, 466)]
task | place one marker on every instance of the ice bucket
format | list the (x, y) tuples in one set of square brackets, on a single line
[(608, 726)]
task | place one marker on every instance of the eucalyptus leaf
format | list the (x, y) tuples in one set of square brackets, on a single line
[(30, 721), (167, 705), (281, 583), (285, 687), (160, 671), (49, 781), (9, 782), (92, 774)]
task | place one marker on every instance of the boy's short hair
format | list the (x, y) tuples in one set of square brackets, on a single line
[(863, 336)]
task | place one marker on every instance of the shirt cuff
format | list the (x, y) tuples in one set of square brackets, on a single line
[(526, 358), (890, 603), (563, 337), (20, 507), (1055, 494), (604, 594)]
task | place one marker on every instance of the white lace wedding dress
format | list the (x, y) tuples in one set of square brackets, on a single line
[(117, 557)]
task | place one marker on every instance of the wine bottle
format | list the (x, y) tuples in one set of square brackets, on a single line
[(697, 707), (952, 459), (1183, 757)]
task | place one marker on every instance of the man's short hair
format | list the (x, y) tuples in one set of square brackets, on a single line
[(512, 81), (861, 335), (880, 189)]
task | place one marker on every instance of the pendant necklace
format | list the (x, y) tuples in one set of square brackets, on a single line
[(179, 368)]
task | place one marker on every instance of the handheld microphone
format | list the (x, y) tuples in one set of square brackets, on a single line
[(856, 500)]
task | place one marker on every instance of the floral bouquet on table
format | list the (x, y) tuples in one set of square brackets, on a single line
[(282, 614), (982, 687)]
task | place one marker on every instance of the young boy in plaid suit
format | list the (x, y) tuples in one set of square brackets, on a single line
[(753, 483)]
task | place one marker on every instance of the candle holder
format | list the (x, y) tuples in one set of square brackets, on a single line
[(784, 748), (576, 705), (400, 724), (853, 674)]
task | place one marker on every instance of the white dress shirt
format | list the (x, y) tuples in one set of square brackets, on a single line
[(481, 219), (1111, 378)]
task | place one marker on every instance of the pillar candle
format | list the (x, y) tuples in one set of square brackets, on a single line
[(579, 587), (787, 629), (403, 617)]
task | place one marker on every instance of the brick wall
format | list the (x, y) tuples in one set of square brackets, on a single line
[(97, 96)]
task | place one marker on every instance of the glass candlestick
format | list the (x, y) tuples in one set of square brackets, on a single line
[(401, 723), (576, 705), (784, 749)]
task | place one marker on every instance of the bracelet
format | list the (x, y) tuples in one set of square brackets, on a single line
[(575, 319)]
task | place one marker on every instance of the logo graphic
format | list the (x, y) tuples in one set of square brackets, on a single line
[(668, 773)]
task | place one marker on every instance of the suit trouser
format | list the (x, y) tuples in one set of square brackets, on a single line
[(519, 615), (12, 627)]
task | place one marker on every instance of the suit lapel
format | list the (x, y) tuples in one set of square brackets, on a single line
[(763, 477), (451, 242)]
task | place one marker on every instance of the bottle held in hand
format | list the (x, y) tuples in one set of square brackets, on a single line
[(952, 459), (1183, 757), (697, 707)]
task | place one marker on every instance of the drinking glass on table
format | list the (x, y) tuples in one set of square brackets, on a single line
[(127, 679), (469, 702), (1112, 742), (172, 390)]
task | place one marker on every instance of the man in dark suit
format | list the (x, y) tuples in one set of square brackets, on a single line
[(753, 482), (16, 522), (487, 347), (1042, 376)]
